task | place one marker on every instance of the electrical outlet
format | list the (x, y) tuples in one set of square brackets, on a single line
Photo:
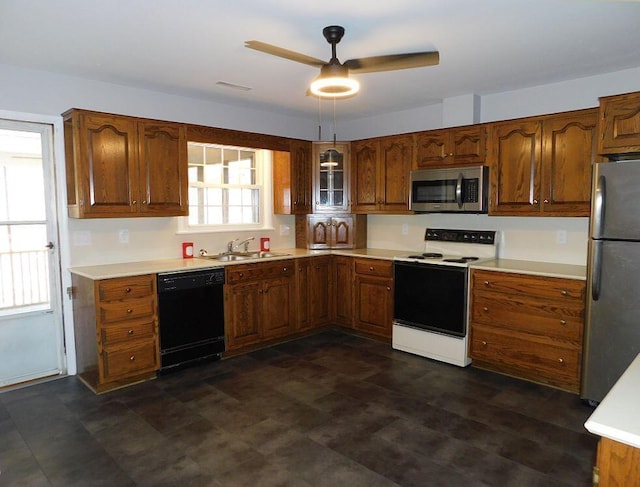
[(123, 236), (405, 229), (561, 237)]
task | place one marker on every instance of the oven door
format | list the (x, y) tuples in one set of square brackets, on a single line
[(431, 297)]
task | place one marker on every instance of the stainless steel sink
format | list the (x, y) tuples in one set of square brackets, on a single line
[(233, 256)]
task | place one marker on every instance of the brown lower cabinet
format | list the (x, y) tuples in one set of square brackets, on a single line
[(259, 302), (528, 326), (314, 290), (373, 296), (342, 305), (116, 330), (617, 465)]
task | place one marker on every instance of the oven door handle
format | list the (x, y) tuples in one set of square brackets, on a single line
[(459, 190)]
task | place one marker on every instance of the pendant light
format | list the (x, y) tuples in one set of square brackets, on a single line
[(331, 154)]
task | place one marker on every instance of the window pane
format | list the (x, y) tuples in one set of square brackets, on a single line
[(213, 155), (234, 197), (195, 154), (214, 196), (213, 173)]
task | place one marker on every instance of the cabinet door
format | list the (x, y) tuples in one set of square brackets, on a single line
[(108, 163), (568, 143), (515, 160), (320, 231), (330, 177), (300, 177), (342, 232), (277, 307), (163, 169), (469, 145), (373, 298), (320, 290), (343, 290), (619, 124), (433, 148), (243, 305), (364, 176), (395, 163), (303, 293)]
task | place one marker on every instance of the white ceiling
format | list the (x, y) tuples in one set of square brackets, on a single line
[(184, 47)]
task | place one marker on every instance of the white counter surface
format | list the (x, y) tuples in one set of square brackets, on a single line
[(617, 415), (548, 269)]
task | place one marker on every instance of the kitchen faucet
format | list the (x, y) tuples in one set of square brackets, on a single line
[(231, 246)]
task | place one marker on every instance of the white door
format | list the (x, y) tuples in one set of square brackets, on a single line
[(31, 335)]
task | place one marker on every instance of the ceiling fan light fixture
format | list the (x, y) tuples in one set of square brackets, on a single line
[(335, 87)]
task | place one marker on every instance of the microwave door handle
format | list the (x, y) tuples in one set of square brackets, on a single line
[(459, 191)]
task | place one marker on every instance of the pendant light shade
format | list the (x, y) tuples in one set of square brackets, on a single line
[(334, 82)]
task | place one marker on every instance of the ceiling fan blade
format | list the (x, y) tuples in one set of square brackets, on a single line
[(284, 53), (393, 62)]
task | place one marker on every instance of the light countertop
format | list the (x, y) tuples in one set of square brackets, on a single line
[(617, 415), (548, 269)]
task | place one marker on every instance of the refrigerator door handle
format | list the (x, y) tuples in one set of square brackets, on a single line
[(597, 270), (600, 197)]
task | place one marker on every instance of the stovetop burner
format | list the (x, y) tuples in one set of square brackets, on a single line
[(432, 255), (461, 260)]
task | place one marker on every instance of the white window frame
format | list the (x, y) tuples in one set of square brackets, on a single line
[(264, 172)]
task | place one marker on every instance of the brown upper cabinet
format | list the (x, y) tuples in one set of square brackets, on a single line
[(541, 166), (120, 166), (456, 146), (619, 125), (292, 179), (331, 177), (380, 174)]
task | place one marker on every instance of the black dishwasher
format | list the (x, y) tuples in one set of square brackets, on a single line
[(191, 317)]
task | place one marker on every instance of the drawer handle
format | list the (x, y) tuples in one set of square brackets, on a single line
[(486, 283), (129, 310), (128, 290), (561, 360), (485, 309), (564, 292), (130, 332), (132, 358), (563, 322)]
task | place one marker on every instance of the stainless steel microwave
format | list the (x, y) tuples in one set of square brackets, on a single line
[(450, 190)]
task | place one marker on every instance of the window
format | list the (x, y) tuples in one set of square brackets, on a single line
[(227, 186)]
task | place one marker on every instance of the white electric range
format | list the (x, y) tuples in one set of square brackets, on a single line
[(431, 304)]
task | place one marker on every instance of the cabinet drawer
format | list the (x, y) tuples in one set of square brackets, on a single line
[(534, 286), (544, 317), (126, 332), (110, 312), (373, 267), (259, 270), (533, 357), (126, 287), (130, 361)]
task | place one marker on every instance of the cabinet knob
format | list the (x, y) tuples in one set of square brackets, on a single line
[(144, 202), (128, 290), (564, 292), (546, 201), (485, 309), (486, 283), (132, 358), (129, 310), (284, 269), (388, 288), (535, 202), (563, 322), (484, 344), (130, 332), (134, 202), (371, 268), (241, 274), (560, 360)]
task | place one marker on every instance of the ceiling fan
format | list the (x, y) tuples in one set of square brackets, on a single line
[(334, 78)]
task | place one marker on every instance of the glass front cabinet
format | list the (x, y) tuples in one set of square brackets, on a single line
[(330, 177)]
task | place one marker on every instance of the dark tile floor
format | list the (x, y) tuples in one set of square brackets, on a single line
[(327, 410)]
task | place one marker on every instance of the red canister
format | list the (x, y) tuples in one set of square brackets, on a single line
[(265, 244), (187, 250)]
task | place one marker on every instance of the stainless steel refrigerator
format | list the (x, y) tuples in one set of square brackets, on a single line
[(612, 331)]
